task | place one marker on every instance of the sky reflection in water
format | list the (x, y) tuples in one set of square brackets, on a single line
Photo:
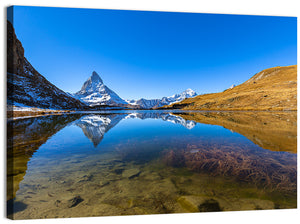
[(161, 142)]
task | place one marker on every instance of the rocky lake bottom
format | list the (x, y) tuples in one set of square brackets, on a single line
[(133, 163)]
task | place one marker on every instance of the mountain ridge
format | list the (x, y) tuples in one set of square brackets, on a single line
[(271, 89), (155, 103)]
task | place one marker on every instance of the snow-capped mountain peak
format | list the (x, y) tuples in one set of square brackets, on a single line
[(92, 84), (96, 78), (189, 92), (95, 93)]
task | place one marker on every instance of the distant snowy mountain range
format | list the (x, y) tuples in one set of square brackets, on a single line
[(155, 103), (95, 93)]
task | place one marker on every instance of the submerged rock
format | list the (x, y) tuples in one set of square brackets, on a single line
[(118, 171), (199, 204), (131, 173), (214, 204), (74, 201), (57, 203), (85, 178), (210, 205)]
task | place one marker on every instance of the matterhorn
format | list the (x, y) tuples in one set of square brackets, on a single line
[(95, 93)]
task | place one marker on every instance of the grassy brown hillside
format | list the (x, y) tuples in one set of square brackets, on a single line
[(271, 89)]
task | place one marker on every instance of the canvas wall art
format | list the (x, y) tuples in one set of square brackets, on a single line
[(119, 112)]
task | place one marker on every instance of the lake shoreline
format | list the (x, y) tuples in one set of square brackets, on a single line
[(14, 113)]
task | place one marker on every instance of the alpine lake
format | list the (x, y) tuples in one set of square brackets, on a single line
[(111, 163)]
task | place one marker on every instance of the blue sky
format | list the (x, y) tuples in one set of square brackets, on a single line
[(152, 54)]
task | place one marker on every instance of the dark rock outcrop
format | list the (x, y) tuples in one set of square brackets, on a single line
[(27, 86)]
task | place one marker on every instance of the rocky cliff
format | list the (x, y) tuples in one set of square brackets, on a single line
[(27, 86)]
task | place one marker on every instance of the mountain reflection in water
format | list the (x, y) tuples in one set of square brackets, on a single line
[(195, 142), (94, 126)]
